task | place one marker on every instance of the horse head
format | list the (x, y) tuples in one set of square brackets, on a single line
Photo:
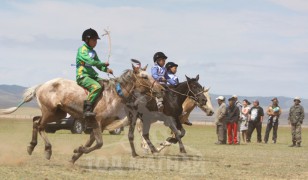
[(196, 91), (145, 83), (208, 108)]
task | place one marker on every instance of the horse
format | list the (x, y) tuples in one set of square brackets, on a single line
[(188, 106), (59, 96), (173, 100)]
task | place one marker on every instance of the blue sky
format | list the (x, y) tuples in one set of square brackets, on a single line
[(242, 47)]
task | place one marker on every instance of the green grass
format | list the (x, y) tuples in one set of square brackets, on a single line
[(204, 159)]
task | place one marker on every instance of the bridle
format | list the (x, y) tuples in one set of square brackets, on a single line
[(151, 88), (194, 97)]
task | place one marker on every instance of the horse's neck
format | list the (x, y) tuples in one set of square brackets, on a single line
[(183, 90)]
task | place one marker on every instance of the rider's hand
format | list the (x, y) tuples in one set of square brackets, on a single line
[(107, 64), (109, 71), (163, 79)]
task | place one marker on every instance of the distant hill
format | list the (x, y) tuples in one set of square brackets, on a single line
[(11, 95)]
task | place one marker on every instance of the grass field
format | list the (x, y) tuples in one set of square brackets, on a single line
[(204, 160)]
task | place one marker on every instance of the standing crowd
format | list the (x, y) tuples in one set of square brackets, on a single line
[(237, 121)]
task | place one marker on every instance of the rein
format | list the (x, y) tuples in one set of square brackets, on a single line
[(149, 87), (194, 97)]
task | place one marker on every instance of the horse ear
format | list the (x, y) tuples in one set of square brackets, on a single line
[(145, 67), (187, 78), (197, 78), (136, 69), (206, 90)]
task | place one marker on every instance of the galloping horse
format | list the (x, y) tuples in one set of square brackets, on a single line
[(58, 97), (173, 101), (188, 106)]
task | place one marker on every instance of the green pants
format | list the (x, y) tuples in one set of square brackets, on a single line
[(92, 85)]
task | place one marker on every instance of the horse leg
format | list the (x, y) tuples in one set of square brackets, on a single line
[(48, 116), (181, 145), (89, 143), (145, 134), (144, 144), (131, 131), (48, 150), (33, 142), (97, 133)]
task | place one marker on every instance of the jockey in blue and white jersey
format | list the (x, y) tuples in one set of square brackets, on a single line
[(172, 79), (159, 73)]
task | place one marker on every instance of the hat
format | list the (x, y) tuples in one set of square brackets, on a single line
[(234, 96), (231, 99), (159, 55), (297, 98), (170, 65), (274, 99), (220, 98)]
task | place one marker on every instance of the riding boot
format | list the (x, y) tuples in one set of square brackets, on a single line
[(293, 145), (88, 114), (88, 110)]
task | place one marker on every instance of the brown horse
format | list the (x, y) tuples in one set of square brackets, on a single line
[(58, 97)]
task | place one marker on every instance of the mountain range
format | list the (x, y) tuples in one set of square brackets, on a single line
[(11, 95)]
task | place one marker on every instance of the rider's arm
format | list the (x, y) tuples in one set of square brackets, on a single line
[(154, 72)]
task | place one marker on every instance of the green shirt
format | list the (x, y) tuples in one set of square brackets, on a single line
[(86, 58)]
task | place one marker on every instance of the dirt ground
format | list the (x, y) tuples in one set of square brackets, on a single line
[(204, 159)]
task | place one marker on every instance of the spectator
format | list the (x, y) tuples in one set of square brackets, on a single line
[(244, 119), (296, 117), (255, 119), (239, 105), (233, 114), (220, 121), (273, 112)]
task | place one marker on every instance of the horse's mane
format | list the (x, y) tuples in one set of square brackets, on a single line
[(122, 79)]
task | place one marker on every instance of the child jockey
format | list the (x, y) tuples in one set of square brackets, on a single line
[(159, 74), (86, 76), (172, 79)]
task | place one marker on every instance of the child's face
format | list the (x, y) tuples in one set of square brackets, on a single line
[(161, 62), (174, 69), (92, 42)]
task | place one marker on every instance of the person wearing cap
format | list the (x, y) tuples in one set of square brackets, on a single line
[(172, 79), (239, 105), (296, 117), (255, 118), (273, 112), (220, 121), (86, 76), (244, 119), (159, 73), (233, 115)]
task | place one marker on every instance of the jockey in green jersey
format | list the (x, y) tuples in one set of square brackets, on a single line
[(86, 76)]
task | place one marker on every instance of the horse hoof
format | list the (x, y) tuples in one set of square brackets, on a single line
[(48, 155), (30, 150), (78, 150), (135, 155), (183, 152)]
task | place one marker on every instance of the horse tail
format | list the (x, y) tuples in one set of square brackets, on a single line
[(28, 95)]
